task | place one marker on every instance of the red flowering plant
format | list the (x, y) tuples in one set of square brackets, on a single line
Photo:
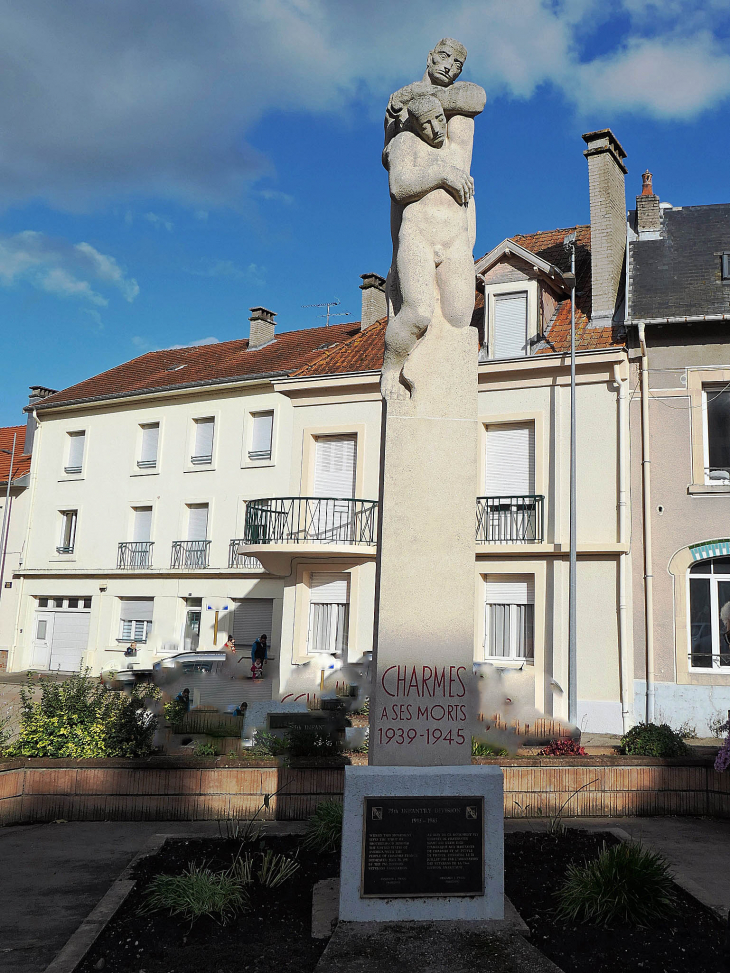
[(722, 760), (563, 748)]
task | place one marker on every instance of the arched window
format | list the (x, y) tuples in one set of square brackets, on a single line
[(709, 612)]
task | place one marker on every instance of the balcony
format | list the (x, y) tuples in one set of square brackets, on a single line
[(135, 555), (509, 520), (306, 520), (238, 557), (190, 554)]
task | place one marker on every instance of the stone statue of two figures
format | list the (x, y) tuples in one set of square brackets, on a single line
[(429, 130)]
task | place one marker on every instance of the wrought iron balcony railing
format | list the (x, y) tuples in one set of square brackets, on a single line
[(133, 555), (237, 557), (190, 554), (306, 520), (509, 520)]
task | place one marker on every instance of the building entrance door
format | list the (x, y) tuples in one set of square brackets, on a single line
[(42, 638)]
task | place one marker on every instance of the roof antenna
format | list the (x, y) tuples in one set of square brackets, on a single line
[(329, 314)]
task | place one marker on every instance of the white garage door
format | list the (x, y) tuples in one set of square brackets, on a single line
[(70, 640), (251, 618)]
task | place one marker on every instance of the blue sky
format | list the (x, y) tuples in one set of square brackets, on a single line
[(165, 166)]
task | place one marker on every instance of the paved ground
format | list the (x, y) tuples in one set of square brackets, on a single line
[(54, 874)]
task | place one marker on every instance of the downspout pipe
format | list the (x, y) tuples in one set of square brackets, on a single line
[(648, 575), (624, 661)]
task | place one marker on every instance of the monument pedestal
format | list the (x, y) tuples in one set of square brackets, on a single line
[(422, 843)]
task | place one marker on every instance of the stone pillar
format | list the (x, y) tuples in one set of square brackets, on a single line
[(425, 587)]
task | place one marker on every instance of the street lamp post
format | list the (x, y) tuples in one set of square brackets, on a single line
[(569, 243), (6, 513)]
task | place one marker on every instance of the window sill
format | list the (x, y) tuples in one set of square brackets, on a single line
[(71, 477), (252, 464), (199, 469), (707, 489), (150, 472)]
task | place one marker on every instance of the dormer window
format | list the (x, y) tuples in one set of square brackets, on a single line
[(510, 320)]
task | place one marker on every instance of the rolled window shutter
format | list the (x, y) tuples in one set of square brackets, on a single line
[(204, 429), (197, 521), (136, 609), (150, 439), (263, 424), (252, 618), (510, 326), (76, 450), (510, 460), (335, 466), (327, 588), (142, 524), (510, 589)]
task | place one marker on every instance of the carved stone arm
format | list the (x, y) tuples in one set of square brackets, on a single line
[(409, 182)]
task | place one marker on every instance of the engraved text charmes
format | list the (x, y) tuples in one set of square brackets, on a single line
[(425, 704), (423, 846)]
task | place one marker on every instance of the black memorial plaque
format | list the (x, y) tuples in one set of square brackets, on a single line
[(416, 846)]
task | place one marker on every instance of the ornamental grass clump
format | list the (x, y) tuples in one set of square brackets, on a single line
[(81, 718), (625, 886), (324, 828), (196, 893), (653, 740)]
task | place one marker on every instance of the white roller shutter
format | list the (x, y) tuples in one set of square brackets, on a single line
[(329, 589), (252, 618), (510, 326), (197, 521), (263, 424), (334, 467), (510, 460), (70, 640), (150, 439), (76, 442), (510, 589), (204, 429), (136, 609), (142, 530)]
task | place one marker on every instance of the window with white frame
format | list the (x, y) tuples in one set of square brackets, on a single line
[(716, 413), (197, 521), (509, 512), (75, 452), (135, 619), (203, 445), (261, 435), (148, 446), (509, 327), (510, 617), (329, 603), (141, 524), (67, 540), (709, 614)]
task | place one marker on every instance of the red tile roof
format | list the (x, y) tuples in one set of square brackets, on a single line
[(205, 365), (21, 465), (364, 352)]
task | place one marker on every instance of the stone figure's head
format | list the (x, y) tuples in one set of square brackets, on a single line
[(427, 119), (445, 62)]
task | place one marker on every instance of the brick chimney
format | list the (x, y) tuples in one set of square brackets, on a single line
[(606, 173), (648, 211), (37, 392), (262, 327), (374, 304)]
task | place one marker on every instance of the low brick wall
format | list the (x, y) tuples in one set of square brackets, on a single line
[(186, 789)]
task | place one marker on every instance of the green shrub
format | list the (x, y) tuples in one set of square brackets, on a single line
[(197, 892), (626, 885), (266, 744), (175, 712), (324, 828), (80, 718), (479, 749), (205, 750), (652, 740)]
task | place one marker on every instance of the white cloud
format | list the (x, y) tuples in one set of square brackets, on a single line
[(61, 268), (157, 99), (198, 341), (275, 194), (159, 221), (226, 268)]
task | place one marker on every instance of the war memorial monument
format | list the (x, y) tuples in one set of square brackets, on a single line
[(423, 828)]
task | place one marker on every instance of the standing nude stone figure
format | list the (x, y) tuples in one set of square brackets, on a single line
[(429, 130)]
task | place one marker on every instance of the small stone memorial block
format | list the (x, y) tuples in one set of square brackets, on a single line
[(423, 846)]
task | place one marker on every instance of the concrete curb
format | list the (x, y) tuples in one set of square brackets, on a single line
[(81, 941), (720, 909)]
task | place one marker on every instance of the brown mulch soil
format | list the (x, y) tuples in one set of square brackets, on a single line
[(693, 941), (274, 935)]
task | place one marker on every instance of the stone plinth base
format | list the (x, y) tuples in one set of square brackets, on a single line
[(456, 783)]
